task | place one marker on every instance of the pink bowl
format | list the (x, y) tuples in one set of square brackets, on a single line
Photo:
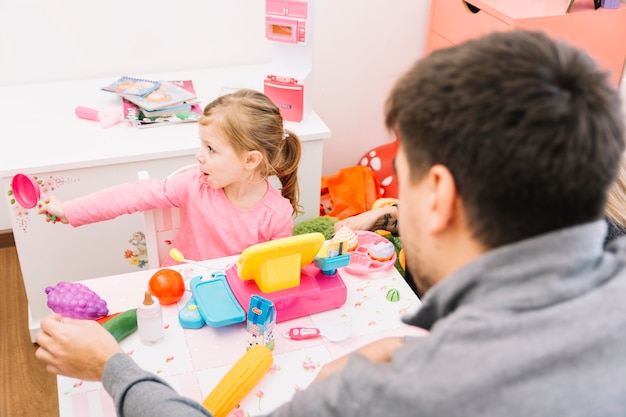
[(25, 190)]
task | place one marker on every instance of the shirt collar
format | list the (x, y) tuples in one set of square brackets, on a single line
[(525, 274)]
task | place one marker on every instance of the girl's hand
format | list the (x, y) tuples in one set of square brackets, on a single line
[(53, 207)]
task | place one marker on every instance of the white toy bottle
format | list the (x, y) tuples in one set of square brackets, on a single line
[(150, 320)]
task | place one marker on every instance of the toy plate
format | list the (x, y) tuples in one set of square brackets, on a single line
[(360, 261)]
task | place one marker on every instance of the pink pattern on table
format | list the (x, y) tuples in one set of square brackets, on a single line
[(80, 405), (187, 385), (108, 407)]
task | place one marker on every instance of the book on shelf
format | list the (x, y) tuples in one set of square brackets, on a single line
[(168, 111), (169, 93), (132, 86), (181, 113)]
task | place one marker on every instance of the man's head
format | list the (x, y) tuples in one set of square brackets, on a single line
[(527, 132)]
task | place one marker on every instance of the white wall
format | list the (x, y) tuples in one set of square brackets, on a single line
[(360, 48), (42, 40)]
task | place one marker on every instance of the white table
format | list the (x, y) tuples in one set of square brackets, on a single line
[(74, 156), (194, 360)]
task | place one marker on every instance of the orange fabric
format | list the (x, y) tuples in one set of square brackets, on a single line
[(352, 191)]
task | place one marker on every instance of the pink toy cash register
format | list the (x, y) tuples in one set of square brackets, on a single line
[(293, 273), (284, 272), (288, 272)]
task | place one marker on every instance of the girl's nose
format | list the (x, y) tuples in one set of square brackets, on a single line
[(199, 157)]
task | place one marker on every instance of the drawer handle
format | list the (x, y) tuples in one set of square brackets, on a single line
[(471, 7)]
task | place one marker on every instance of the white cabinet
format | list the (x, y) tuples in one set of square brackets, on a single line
[(75, 156)]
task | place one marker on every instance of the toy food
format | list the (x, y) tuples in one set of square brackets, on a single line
[(104, 319), (393, 295), (382, 250), (76, 301), (167, 285), (345, 233), (245, 374), (382, 202), (122, 325)]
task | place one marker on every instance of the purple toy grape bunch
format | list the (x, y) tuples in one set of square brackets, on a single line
[(74, 300)]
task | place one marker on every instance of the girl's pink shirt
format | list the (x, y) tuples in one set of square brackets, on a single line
[(212, 227)]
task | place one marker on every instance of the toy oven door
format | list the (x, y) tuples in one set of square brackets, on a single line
[(281, 29), (288, 97)]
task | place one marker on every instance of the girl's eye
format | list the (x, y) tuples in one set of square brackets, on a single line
[(206, 146)]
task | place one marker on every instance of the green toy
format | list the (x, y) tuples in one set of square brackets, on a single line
[(393, 295), (322, 224)]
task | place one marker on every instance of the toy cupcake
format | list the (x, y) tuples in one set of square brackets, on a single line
[(382, 250), (347, 234)]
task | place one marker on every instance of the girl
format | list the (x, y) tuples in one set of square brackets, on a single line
[(228, 201)]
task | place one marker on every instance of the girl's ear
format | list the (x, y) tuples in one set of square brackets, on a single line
[(253, 159)]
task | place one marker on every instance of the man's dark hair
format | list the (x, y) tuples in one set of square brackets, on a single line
[(530, 128)]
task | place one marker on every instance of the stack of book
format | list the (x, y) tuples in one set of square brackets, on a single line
[(148, 103)]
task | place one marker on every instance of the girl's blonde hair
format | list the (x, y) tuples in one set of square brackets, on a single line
[(252, 122)]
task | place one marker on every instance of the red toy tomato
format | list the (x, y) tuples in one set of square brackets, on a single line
[(167, 285)]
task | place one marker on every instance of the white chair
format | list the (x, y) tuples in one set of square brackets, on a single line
[(160, 226)]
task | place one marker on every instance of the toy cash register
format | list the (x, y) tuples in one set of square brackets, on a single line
[(284, 272), (298, 274)]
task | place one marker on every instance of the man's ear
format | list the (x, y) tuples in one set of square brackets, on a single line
[(443, 195), (253, 159)]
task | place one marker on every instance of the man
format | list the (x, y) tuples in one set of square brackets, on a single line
[(508, 145)]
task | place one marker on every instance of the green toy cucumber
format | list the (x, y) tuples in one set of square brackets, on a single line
[(122, 325)]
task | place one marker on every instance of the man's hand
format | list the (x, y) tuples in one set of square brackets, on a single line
[(378, 351), (75, 348)]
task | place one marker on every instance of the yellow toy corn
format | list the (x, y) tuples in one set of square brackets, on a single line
[(245, 374)]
